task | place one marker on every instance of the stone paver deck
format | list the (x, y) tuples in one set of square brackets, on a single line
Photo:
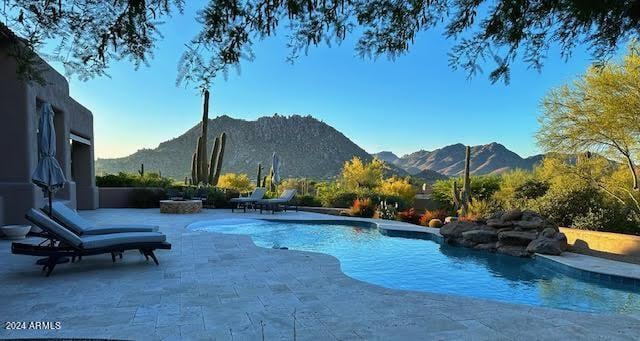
[(215, 286)]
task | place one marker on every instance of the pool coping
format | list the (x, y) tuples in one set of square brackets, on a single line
[(580, 266)]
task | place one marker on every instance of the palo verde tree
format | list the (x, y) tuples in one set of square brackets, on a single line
[(90, 34), (599, 111)]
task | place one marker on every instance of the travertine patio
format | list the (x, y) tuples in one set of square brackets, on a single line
[(214, 286)]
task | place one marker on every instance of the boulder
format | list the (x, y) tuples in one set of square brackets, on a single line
[(534, 224), (512, 215), (455, 229), (549, 242), (485, 247), (480, 236), (517, 251), (498, 223), (549, 232), (516, 238)]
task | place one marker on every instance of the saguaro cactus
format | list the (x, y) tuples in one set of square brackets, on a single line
[(212, 160), (194, 167), (217, 156), (202, 166), (204, 169), (259, 177), (141, 171), (461, 199)]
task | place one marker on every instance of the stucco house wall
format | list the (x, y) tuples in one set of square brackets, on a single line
[(20, 104)]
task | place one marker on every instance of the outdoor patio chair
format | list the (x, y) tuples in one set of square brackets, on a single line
[(275, 204), (249, 201), (81, 227), (63, 243)]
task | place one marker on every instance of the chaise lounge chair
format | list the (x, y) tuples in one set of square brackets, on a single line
[(82, 227), (64, 243), (251, 200), (275, 204)]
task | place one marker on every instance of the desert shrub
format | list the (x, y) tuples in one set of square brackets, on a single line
[(133, 180), (303, 186), (480, 209), (147, 197), (363, 208), (331, 195), (409, 216), (219, 197), (435, 214), (482, 187), (307, 200), (563, 205), (236, 182), (401, 188), (357, 175), (518, 187)]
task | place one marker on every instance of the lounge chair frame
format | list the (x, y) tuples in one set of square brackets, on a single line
[(54, 249)]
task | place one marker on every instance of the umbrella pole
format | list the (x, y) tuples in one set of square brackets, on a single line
[(61, 260), (50, 205)]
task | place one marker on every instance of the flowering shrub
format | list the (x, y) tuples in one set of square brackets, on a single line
[(363, 208), (430, 215), (409, 216)]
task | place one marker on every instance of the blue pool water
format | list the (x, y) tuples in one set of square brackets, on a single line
[(423, 265)]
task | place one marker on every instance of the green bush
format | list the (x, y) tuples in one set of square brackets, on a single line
[(219, 198), (148, 197), (480, 209), (307, 200), (482, 187), (133, 180)]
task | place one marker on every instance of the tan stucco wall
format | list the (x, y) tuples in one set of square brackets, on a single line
[(19, 104), (602, 243)]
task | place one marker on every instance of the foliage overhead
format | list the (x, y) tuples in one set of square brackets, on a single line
[(92, 33), (598, 112)]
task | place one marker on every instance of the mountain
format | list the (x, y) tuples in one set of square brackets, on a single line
[(387, 157), (307, 148), (492, 158), (430, 176)]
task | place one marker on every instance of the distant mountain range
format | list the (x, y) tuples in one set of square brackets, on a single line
[(492, 158), (308, 148)]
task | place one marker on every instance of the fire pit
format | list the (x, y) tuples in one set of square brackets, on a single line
[(180, 206)]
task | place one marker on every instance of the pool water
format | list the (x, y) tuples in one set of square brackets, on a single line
[(423, 265)]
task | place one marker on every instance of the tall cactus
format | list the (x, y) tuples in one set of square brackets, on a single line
[(204, 169), (203, 165), (194, 167), (461, 199), (259, 178), (218, 160), (212, 161)]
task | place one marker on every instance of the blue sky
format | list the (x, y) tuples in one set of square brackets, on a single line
[(415, 102)]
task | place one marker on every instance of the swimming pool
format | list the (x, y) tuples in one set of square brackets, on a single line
[(424, 265)]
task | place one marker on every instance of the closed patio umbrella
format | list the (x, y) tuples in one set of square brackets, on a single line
[(275, 165), (48, 174)]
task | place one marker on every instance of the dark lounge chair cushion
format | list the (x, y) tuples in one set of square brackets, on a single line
[(80, 226), (109, 240), (49, 225)]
